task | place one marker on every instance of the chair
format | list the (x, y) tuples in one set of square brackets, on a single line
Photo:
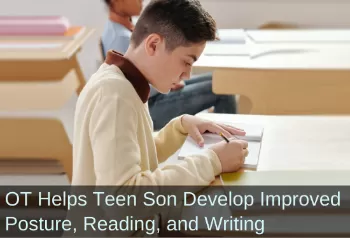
[(102, 50)]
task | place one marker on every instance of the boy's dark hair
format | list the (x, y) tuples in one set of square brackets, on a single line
[(180, 22), (108, 2)]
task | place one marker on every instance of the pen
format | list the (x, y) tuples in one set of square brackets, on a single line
[(224, 138)]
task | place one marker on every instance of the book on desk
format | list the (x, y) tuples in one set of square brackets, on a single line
[(38, 28), (254, 136)]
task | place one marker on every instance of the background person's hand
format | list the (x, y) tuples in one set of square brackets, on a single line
[(196, 126)]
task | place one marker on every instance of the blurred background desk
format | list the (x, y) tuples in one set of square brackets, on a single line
[(295, 150), (40, 81), (282, 78), (41, 60)]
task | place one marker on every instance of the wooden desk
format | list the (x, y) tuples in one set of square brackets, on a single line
[(298, 150), (295, 150), (294, 143), (300, 35), (40, 81), (55, 58), (236, 36), (36, 123), (285, 79)]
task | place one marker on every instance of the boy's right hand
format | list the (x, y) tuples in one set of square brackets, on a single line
[(231, 155)]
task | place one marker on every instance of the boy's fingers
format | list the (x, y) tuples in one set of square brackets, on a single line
[(245, 153), (215, 128), (234, 130), (243, 143), (197, 136)]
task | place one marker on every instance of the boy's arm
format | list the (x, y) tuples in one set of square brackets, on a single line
[(170, 138), (117, 156)]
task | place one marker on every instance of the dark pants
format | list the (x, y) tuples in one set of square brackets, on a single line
[(194, 97)]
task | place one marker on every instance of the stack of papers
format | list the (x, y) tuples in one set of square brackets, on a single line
[(213, 49), (29, 28)]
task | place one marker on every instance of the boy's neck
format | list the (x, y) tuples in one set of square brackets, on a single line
[(135, 56), (123, 20), (132, 73)]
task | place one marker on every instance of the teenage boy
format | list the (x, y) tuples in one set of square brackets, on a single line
[(113, 141), (187, 96)]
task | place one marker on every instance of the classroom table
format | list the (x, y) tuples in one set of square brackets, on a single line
[(295, 150), (298, 35), (281, 78), (36, 124), (40, 80), (298, 142), (236, 36), (42, 59)]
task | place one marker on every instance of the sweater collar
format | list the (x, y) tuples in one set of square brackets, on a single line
[(131, 72)]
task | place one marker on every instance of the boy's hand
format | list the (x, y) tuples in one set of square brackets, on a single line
[(196, 126), (231, 155), (178, 86)]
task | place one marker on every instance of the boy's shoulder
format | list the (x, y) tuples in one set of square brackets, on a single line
[(109, 81)]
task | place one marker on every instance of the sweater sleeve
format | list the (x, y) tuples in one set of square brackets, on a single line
[(117, 155), (170, 138)]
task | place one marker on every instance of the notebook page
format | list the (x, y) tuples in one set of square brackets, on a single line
[(190, 147)]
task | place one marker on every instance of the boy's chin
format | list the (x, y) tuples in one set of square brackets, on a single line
[(164, 90)]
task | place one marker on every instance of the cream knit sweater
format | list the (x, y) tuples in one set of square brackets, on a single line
[(113, 140)]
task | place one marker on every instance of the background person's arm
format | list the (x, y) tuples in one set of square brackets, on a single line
[(120, 44)]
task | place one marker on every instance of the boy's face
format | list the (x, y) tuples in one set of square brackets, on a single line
[(167, 68)]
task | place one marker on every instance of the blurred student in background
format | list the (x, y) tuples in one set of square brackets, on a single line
[(188, 97)]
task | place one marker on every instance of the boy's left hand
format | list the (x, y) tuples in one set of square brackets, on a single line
[(178, 86), (196, 126)]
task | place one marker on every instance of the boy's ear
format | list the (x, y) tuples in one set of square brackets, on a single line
[(153, 43)]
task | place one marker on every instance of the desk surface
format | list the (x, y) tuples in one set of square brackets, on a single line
[(232, 36), (276, 56), (278, 49), (43, 50), (285, 35), (299, 142), (296, 150), (297, 35)]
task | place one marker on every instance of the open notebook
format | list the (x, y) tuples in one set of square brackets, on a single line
[(254, 135)]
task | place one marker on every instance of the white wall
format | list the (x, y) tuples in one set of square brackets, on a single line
[(228, 14), (252, 13)]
